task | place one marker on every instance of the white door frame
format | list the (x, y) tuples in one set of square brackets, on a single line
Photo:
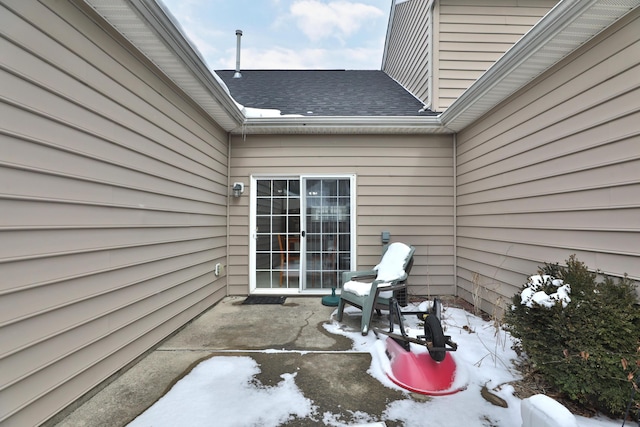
[(253, 233)]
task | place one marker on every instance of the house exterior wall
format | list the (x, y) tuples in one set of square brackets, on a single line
[(555, 171), (408, 51), (113, 194), (404, 186), (466, 39), (471, 37)]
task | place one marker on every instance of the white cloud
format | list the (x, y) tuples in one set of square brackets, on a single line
[(285, 58), (337, 19)]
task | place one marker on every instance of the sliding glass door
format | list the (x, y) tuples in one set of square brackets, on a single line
[(302, 232)]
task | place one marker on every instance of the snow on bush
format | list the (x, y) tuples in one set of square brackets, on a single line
[(534, 291)]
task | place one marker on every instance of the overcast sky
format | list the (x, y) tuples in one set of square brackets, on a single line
[(286, 34)]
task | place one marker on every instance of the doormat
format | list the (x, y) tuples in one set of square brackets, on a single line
[(259, 299)]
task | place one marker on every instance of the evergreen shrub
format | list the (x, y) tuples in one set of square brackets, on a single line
[(590, 349)]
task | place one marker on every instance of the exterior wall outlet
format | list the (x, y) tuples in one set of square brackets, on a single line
[(219, 269)]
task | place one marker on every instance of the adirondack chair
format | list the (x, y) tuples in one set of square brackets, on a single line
[(372, 290)]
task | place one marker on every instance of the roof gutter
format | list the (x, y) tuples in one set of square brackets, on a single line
[(342, 125)]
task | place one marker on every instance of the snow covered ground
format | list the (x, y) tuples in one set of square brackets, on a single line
[(223, 388)]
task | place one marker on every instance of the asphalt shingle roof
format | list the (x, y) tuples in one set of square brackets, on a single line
[(367, 93)]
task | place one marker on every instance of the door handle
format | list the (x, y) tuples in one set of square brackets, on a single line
[(302, 233)]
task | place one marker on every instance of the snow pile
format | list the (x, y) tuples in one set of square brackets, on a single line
[(252, 113), (222, 391), (540, 411), (261, 112), (392, 265), (534, 291)]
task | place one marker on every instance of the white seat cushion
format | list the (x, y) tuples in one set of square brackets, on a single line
[(362, 289)]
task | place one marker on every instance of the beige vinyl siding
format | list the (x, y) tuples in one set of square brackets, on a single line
[(555, 171), (408, 49), (113, 197), (472, 36), (404, 186)]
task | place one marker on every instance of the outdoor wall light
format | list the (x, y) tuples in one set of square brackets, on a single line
[(238, 189)]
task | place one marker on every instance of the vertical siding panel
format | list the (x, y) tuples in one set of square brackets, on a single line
[(113, 195), (555, 171), (407, 57), (404, 186)]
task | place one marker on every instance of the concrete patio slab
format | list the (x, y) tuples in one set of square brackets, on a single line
[(328, 372)]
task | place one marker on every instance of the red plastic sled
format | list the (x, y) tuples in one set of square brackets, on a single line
[(419, 373), (432, 372)]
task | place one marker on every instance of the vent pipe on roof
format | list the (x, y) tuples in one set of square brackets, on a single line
[(237, 74)]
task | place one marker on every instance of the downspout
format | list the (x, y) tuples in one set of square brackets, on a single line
[(228, 210), (455, 214)]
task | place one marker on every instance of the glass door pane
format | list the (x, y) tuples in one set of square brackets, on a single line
[(277, 237), (327, 225)]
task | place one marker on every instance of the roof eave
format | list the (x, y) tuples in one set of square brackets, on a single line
[(155, 33), (569, 25)]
